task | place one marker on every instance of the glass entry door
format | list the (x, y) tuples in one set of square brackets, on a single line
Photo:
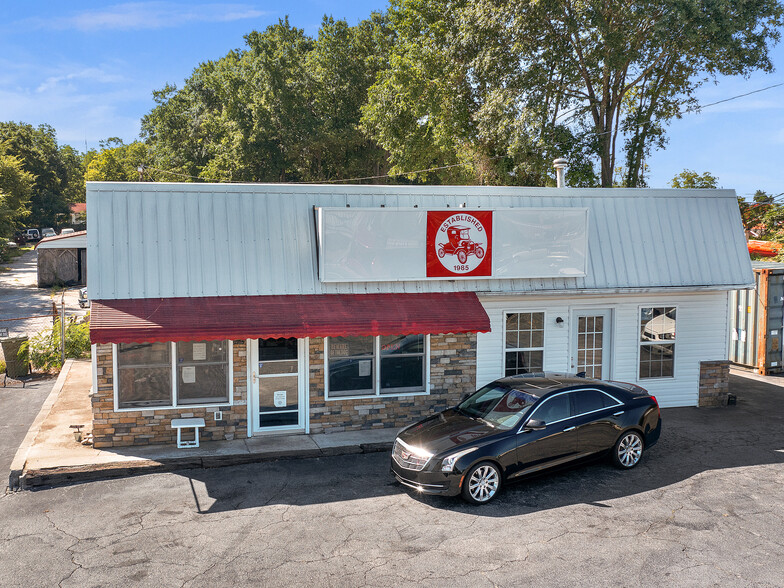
[(278, 385), (591, 332)]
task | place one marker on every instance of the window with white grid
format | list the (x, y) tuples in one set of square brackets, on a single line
[(524, 343)]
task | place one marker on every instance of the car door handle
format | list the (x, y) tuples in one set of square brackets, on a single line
[(569, 429), (619, 413)]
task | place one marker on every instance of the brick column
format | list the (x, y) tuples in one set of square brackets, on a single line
[(714, 382)]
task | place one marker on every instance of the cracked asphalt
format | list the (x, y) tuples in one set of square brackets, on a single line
[(704, 508)]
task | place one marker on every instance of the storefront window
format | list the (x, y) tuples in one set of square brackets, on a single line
[(202, 372), (353, 363), (144, 375), (657, 342), (524, 348)]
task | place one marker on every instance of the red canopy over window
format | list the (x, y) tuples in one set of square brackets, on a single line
[(320, 315)]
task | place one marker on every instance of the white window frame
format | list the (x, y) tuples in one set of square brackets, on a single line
[(173, 405), (640, 343), (543, 348), (377, 371)]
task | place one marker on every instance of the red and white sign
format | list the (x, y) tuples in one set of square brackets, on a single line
[(459, 243)]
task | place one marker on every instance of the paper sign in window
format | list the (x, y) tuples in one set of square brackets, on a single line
[(199, 351), (364, 368), (279, 398), (188, 374)]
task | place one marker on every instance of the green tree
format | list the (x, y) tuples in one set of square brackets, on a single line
[(16, 186), (54, 169), (284, 109), (613, 72), (437, 106), (691, 179), (117, 162)]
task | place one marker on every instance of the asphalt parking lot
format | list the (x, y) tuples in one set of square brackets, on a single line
[(703, 508)]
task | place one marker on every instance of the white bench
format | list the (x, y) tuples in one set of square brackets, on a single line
[(181, 424)]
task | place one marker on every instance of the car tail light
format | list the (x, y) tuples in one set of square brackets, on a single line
[(656, 402)]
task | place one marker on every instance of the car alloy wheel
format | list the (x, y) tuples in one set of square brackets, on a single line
[(628, 450), (481, 483)]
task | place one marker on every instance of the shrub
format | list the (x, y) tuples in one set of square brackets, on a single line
[(44, 348)]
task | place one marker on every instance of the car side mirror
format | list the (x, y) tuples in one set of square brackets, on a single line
[(466, 396), (535, 425)]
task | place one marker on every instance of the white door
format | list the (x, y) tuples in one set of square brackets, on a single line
[(278, 392), (591, 345)]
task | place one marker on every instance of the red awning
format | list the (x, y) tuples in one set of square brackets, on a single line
[(251, 317)]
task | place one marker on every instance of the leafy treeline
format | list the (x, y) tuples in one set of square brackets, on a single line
[(285, 109), (436, 91), (38, 178)]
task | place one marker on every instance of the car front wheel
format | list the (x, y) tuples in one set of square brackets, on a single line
[(482, 483), (628, 450)]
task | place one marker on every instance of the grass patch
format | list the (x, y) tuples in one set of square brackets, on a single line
[(7, 255)]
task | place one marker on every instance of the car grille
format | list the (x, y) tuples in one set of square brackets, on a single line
[(404, 457)]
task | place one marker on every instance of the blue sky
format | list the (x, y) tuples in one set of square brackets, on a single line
[(89, 68)]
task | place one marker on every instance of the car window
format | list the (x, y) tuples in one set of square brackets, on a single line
[(554, 409), (499, 405), (591, 400)]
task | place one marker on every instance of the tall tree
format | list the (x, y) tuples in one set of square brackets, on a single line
[(613, 71), (691, 179), (284, 109), (16, 186), (55, 170), (118, 162), (437, 106)]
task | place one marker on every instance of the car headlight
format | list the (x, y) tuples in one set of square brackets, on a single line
[(449, 461)]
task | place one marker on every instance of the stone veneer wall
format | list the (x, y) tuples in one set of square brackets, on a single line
[(714, 382), (452, 374), (144, 427)]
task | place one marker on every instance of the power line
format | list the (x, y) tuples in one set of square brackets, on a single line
[(443, 167)]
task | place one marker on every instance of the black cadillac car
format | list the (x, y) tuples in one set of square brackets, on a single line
[(521, 425)]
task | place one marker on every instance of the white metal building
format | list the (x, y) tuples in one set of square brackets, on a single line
[(569, 280)]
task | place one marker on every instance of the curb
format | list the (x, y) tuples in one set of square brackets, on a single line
[(66, 475), (20, 459)]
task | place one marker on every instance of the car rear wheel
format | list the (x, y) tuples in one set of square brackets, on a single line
[(628, 450), (482, 483)]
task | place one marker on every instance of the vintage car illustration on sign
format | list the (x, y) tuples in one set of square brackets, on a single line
[(460, 244)]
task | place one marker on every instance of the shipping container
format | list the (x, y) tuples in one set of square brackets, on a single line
[(757, 320)]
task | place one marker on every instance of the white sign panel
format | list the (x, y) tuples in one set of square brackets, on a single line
[(385, 244), (199, 351), (189, 374), (279, 398)]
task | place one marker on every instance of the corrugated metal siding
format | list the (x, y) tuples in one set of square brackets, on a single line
[(700, 336), (748, 309), (163, 240)]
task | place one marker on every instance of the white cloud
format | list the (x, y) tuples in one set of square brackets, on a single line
[(91, 74), (148, 15)]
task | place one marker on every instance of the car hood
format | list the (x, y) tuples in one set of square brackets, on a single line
[(446, 430)]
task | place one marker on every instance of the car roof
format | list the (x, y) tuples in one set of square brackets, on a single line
[(541, 383)]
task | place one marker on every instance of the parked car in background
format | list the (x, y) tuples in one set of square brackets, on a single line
[(66, 231), (522, 425), (32, 235), (10, 244), (84, 301), (48, 232)]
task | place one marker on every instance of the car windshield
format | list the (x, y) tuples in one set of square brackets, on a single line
[(499, 405)]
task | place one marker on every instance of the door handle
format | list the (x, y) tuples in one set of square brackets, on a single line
[(569, 429), (619, 413), (255, 377)]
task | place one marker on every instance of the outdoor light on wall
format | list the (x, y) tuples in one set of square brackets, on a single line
[(559, 321)]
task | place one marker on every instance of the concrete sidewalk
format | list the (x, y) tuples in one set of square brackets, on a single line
[(50, 455)]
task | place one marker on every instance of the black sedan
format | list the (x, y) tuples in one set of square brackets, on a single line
[(521, 425)]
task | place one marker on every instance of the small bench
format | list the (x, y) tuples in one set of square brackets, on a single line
[(181, 424)]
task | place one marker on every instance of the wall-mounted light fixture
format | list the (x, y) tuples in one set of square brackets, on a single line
[(559, 320)]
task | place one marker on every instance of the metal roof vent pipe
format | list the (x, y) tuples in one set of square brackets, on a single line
[(560, 171)]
